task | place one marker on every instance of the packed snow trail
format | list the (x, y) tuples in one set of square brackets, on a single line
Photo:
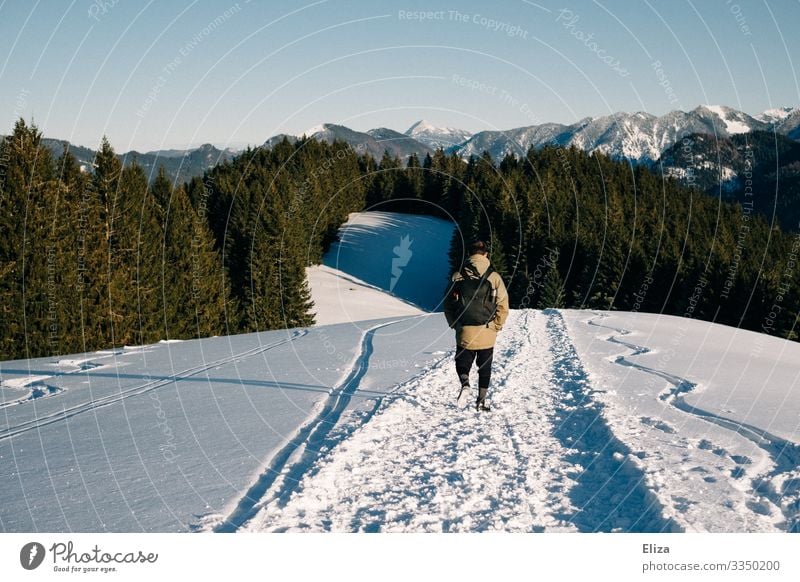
[(610, 490), (422, 464)]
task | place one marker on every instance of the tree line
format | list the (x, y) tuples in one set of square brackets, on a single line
[(106, 258), (577, 230), (103, 258)]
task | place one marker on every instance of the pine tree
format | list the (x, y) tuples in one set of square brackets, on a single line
[(26, 203), (384, 184), (553, 290), (193, 290)]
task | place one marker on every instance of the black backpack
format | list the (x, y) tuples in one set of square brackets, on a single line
[(474, 296)]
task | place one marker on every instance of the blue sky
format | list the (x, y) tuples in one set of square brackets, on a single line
[(154, 75)]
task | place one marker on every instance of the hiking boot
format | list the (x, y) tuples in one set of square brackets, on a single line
[(480, 404)]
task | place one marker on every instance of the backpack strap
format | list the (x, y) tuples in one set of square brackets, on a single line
[(475, 275), (468, 271), (493, 291)]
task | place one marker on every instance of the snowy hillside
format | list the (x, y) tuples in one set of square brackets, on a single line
[(339, 298), (404, 255), (600, 421), (154, 438), (589, 432), (710, 411)]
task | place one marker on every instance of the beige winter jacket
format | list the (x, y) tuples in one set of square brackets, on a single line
[(478, 337)]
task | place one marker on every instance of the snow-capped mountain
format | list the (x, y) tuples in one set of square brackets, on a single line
[(790, 125), (775, 115), (640, 136), (514, 141), (179, 153), (437, 137), (399, 142)]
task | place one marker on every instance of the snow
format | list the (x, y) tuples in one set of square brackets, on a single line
[(436, 137), (406, 255), (311, 131), (774, 115), (600, 421), (713, 411), (22, 382), (159, 439), (383, 265), (732, 126), (445, 471), (423, 127), (727, 174), (589, 432), (339, 298), (421, 464)]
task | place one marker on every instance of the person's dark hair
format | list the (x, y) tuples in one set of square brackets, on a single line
[(478, 247)]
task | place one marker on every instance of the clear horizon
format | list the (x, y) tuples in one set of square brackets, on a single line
[(180, 74)]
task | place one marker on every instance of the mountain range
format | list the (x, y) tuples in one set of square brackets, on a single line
[(640, 137), (180, 165)]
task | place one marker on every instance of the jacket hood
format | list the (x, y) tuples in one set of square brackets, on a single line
[(481, 262)]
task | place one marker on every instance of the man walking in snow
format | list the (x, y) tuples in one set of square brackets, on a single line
[(476, 307)]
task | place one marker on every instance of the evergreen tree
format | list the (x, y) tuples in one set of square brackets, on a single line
[(193, 288), (553, 294), (26, 202)]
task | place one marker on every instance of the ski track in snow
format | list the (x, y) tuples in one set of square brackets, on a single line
[(94, 404), (542, 460), (37, 386), (288, 465), (781, 485)]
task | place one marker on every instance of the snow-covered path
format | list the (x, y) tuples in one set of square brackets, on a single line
[(599, 422), (542, 460)]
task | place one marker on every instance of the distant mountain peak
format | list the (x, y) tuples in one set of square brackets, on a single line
[(776, 114), (421, 125), (424, 126), (373, 142), (319, 128), (436, 136), (735, 121)]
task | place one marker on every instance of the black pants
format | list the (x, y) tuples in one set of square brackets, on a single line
[(464, 359)]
